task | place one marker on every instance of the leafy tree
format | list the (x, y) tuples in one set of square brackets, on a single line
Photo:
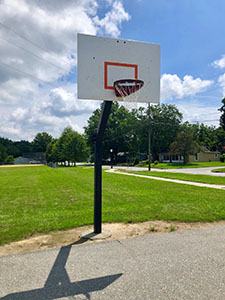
[(3, 153), (10, 147), (41, 142), (71, 147), (120, 134), (50, 153), (127, 131), (184, 145), (219, 136), (165, 125), (23, 147), (10, 159), (222, 117), (75, 147), (202, 134)]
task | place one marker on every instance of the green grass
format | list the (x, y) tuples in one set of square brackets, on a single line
[(219, 170), (181, 165), (182, 176), (42, 199)]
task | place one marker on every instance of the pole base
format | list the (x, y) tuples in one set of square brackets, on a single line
[(90, 235)]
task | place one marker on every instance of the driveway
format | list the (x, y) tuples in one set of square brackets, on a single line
[(178, 265)]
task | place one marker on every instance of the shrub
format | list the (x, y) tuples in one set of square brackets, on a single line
[(10, 159), (222, 157), (156, 162)]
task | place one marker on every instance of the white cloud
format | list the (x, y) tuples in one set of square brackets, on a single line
[(196, 111), (220, 63), (50, 111), (111, 23), (29, 106), (174, 87), (221, 81)]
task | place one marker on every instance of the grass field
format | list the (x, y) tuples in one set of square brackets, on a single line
[(181, 166), (182, 176), (219, 170), (42, 199)]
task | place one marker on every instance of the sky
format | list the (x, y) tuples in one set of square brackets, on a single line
[(38, 58)]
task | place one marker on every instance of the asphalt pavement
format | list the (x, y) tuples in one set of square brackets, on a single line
[(177, 265)]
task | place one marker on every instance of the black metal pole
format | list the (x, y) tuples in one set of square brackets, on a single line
[(98, 166), (98, 189), (149, 139)]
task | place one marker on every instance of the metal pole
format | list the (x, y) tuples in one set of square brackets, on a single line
[(149, 139), (111, 157), (98, 166)]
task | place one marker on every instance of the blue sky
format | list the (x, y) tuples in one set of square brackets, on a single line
[(38, 90)]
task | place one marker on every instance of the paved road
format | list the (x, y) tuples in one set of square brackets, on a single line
[(202, 171), (178, 265)]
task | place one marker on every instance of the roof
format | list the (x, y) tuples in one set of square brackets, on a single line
[(206, 150)]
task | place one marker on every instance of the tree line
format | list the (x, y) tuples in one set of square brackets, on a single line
[(126, 132)]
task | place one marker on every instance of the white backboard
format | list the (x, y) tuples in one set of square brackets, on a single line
[(103, 60)]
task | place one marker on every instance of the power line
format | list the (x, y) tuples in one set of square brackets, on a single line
[(24, 73), (36, 45), (33, 54)]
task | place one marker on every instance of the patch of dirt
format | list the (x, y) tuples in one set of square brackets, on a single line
[(118, 231)]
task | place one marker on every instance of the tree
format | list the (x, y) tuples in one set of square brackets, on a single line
[(165, 125), (3, 153), (50, 152), (120, 134), (184, 145), (23, 147), (74, 147), (127, 131), (222, 117), (204, 135), (220, 138), (41, 142), (70, 147), (10, 159)]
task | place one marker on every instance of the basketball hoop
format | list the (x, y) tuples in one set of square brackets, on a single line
[(125, 87), (127, 90)]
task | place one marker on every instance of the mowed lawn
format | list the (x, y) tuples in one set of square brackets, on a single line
[(183, 166), (187, 177), (42, 199)]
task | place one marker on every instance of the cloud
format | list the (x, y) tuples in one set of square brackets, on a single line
[(50, 111), (36, 95), (220, 63), (64, 103), (221, 81), (174, 87), (196, 111), (111, 23)]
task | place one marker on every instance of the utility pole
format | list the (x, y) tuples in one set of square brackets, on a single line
[(149, 139)]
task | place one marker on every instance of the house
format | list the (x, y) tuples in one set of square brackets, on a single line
[(21, 161), (204, 155)]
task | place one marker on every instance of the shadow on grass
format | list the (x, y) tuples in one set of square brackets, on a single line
[(58, 284)]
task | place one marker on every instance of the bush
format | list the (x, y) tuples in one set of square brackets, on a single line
[(156, 162), (222, 157), (10, 159)]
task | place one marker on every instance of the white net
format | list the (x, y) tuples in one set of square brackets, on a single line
[(128, 92)]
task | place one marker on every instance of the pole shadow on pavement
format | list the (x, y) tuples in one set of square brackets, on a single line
[(58, 284)]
